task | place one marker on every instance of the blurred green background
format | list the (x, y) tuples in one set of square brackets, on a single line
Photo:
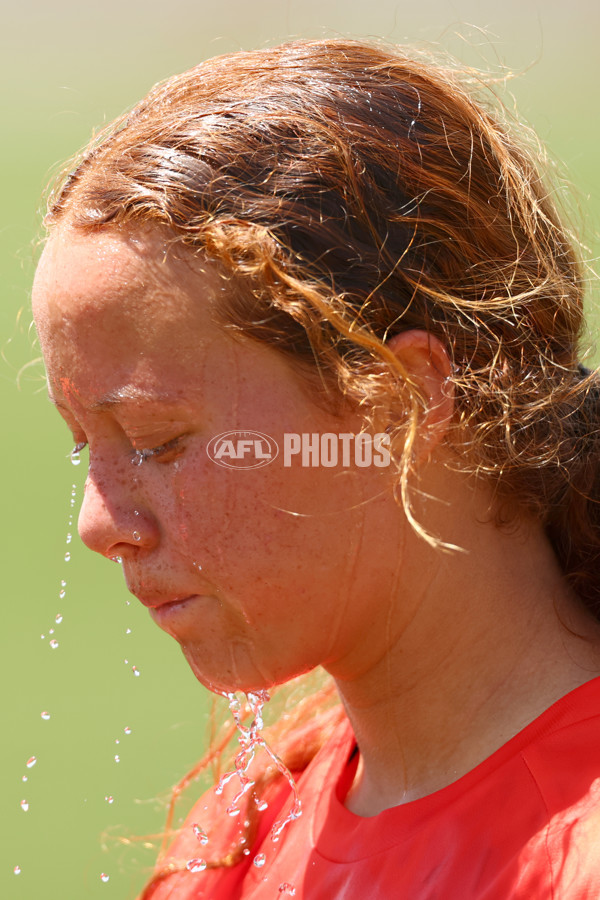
[(67, 68)]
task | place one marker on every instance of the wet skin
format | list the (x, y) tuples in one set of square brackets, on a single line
[(259, 574), (262, 574)]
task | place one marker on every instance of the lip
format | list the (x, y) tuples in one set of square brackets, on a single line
[(168, 611), (154, 603)]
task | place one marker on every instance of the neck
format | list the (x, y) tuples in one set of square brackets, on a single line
[(492, 639)]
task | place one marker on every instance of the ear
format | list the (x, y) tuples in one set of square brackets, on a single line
[(425, 360)]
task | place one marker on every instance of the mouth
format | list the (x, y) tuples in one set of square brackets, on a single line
[(169, 614), (155, 603)]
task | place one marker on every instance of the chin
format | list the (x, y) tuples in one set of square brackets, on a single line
[(226, 682)]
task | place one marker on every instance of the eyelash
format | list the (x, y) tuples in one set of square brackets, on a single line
[(138, 456)]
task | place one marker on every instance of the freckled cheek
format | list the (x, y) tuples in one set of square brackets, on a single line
[(229, 521)]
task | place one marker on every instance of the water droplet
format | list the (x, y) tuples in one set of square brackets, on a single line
[(109, 799), (287, 888), (51, 631), (24, 778), (67, 556), (45, 715), (259, 860), (63, 583), (136, 536), (128, 631), (117, 758), (117, 559), (136, 512), (75, 454), (54, 643), (43, 636), (127, 729), (17, 870), (31, 762), (62, 593), (261, 805), (246, 852), (69, 537), (126, 661), (136, 671), (104, 877), (196, 865), (200, 834), (233, 810), (58, 618), (24, 805), (117, 741)]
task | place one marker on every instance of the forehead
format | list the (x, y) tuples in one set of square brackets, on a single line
[(86, 274), (120, 313)]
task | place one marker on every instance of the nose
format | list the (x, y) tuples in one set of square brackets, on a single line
[(114, 522)]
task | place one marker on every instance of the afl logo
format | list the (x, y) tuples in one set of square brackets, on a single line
[(242, 449)]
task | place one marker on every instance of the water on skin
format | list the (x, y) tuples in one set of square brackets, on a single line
[(76, 454), (196, 865), (200, 834), (250, 736)]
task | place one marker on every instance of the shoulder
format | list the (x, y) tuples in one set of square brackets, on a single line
[(564, 765), (564, 857)]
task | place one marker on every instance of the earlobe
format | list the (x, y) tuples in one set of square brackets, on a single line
[(427, 363)]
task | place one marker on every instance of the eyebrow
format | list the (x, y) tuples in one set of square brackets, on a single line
[(129, 395), (121, 395)]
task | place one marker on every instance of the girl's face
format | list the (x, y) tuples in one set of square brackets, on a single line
[(262, 573)]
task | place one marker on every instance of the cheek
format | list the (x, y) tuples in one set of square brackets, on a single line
[(277, 530)]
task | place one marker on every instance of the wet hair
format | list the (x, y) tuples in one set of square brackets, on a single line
[(354, 191)]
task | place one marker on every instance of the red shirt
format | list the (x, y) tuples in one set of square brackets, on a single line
[(524, 825)]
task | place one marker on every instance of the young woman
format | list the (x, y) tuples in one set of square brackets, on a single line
[(315, 314)]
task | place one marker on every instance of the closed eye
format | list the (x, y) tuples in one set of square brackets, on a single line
[(164, 452)]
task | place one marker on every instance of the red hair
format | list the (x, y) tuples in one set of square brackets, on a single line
[(353, 191)]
